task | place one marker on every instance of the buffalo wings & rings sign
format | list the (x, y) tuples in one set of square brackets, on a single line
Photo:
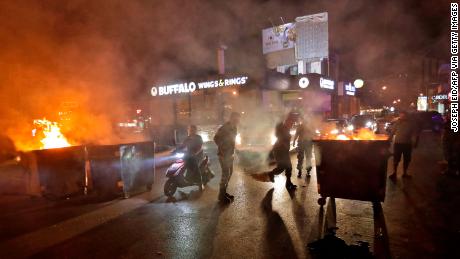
[(192, 86)]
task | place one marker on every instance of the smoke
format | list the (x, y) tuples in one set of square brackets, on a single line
[(51, 63), (104, 55)]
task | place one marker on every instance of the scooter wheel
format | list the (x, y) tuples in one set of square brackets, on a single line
[(170, 187)]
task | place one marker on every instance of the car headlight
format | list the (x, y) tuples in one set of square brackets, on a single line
[(350, 127), (368, 124), (335, 131), (317, 131), (238, 139)]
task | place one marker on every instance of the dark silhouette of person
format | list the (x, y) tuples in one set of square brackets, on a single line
[(225, 141), (404, 132), (281, 152)]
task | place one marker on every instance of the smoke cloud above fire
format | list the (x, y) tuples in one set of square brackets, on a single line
[(100, 57)]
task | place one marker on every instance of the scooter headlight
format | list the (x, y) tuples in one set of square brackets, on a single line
[(179, 155), (238, 139), (273, 139)]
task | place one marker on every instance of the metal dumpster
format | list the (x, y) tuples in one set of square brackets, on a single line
[(352, 169), (137, 166), (61, 171), (124, 168), (105, 168)]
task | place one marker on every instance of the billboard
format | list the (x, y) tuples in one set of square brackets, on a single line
[(278, 38), (312, 37)]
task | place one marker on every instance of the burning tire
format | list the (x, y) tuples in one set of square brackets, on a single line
[(170, 187)]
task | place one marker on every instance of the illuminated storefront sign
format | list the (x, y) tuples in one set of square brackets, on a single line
[(326, 83), (349, 89), (422, 103), (304, 82), (190, 87), (440, 97)]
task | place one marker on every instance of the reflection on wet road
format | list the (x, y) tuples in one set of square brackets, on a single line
[(265, 221)]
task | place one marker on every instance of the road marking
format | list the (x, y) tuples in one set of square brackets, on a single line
[(34, 242)]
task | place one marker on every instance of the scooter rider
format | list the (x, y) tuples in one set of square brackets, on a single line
[(194, 153)]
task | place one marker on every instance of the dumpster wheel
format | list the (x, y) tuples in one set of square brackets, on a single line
[(322, 201)]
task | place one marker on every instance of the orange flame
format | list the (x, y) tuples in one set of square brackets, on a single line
[(53, 138), (362, 134), (342, 137)]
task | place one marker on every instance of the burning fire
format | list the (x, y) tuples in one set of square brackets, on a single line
[(362, 134), (52, 136)]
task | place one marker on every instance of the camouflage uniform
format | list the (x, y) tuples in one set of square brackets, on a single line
[(225, 140)]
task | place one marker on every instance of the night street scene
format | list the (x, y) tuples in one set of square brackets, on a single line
[(229, 129)]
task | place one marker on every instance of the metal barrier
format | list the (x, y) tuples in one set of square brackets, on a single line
[(101, 169), (61, 171), (353, 169)]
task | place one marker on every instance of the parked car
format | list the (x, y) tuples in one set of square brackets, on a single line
[(333, 126), (384, 124), (342, 125), (425, 120), (429, 120), (364, 121)]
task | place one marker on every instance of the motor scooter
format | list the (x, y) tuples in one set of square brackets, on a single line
[(177, 174)]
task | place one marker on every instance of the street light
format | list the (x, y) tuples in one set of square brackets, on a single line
[(399, 100), (358, 83), (384, 87)]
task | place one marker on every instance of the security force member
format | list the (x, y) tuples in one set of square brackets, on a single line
[(225, 140), (281, 152), (303, 136)]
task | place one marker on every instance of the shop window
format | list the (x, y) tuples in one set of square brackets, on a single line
[(204, 109), (183, 110)]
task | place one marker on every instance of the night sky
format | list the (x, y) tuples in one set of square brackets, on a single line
[(118, 49)]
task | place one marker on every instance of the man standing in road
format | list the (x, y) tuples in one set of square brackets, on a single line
[(303, 136), (225, 140), (281, 152), (404, 132)]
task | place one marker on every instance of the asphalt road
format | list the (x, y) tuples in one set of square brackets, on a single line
[(419, 219)]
